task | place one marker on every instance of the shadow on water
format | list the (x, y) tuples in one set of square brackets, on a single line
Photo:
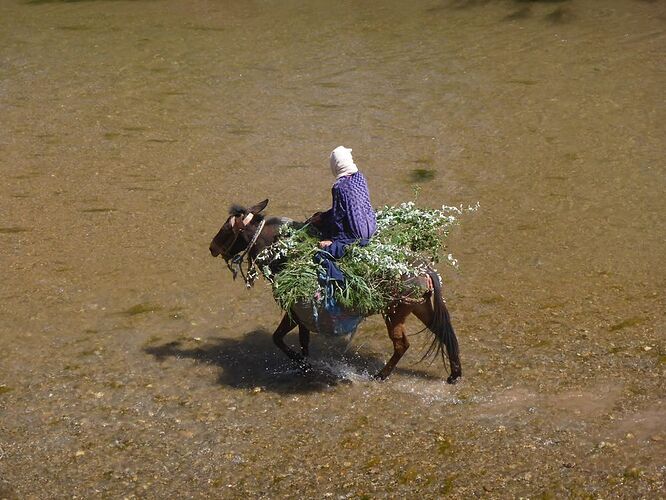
[(254, 361)]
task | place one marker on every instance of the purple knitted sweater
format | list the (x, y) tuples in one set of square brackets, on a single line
[(351, 217)]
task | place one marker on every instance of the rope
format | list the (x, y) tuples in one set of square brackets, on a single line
[(235, 263)]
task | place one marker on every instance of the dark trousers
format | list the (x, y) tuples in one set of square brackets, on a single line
[(326, 258)]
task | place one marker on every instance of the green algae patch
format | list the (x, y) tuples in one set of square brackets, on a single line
[(444, 445), (447, 485), (626, 323), (153, 339), (143, 308), (421, 175), (323, 105), (523, 82), (371, 464), (409, 476), (98, 210), (162, 141), (73, 27), (492, 299), (13, 230), (205, 28), (632, 473)]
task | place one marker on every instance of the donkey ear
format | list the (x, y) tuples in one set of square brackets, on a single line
[(258, 207)]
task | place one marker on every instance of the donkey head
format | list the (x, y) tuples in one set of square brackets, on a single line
[(229, 240)]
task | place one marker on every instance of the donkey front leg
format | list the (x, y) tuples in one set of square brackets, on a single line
[(286, 325), (395, 323), (304, 340)]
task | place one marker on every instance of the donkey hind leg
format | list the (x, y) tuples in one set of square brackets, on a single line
[(304, 340), (286, 325), (395, 323), (426, 314)]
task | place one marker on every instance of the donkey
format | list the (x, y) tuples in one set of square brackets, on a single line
[(247, 232)]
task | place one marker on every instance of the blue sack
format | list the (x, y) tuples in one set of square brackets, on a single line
[(327, 317)]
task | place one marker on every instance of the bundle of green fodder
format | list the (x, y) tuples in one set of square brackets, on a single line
[(408, 238)]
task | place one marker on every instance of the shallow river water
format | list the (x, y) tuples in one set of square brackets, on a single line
[(132, 365)]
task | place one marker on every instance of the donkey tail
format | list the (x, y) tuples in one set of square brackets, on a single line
[(441, 327)]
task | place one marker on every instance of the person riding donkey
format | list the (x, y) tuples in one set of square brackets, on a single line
[(351, 218)]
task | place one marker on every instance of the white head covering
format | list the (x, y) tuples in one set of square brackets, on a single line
[(342, 162)]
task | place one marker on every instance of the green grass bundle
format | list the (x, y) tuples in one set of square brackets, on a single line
[(408, 238)]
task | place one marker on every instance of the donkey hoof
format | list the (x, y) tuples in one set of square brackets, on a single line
[(453, 378), (304, 366)]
